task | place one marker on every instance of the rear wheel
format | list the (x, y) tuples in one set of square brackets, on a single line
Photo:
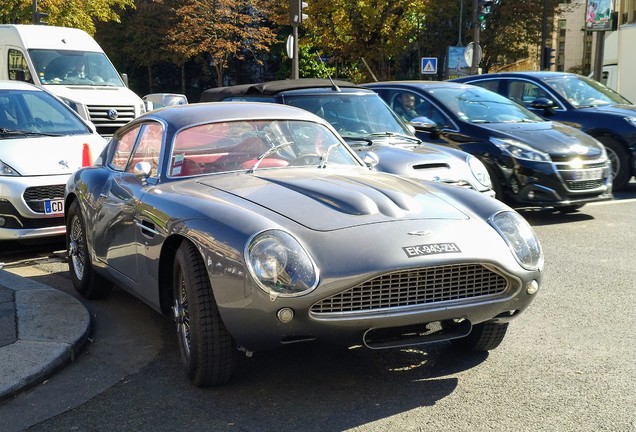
[(86, 281), (483, 337), (621, 168), (208, 351)]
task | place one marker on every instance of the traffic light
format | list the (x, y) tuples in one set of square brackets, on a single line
[(546, 60), (296, 9), (483, 9), (37, 18)]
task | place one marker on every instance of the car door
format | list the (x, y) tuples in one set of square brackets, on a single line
[(117, 231)]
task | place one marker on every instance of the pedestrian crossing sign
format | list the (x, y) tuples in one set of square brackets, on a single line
[(429, 65)]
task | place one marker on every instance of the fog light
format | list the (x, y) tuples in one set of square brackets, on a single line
[(285, 315), (531, 195), (532, 287), (2, 221)]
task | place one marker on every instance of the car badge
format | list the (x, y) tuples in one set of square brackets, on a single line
[(580, 149), (419, 233), (112, 114), (64, 164)]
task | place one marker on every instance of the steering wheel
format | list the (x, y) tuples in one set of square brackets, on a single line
[(306, 159)]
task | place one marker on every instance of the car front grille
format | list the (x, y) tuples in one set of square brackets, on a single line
[(105, 125), (36, 195), (575, 178), (416, 287)]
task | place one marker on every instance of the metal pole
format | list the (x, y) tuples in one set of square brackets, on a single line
[(459, 30), (598, 55), (295, 73), (544, 34), (35, 10), (476, 34)]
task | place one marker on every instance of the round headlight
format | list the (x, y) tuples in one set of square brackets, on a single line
[(280, 265), (520, 237), (479, 171)]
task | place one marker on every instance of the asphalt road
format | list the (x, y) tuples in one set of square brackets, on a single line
[(567, 363)]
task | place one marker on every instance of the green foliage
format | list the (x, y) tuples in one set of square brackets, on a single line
[(66, 13)]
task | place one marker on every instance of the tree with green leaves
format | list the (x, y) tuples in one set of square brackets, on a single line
[(223, 30), (379, 31), (65, 13)]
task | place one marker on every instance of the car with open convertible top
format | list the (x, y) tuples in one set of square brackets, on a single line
[(368, 125), (255, 225)]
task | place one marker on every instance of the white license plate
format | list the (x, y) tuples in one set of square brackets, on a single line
[(591, 174), (54, 206)]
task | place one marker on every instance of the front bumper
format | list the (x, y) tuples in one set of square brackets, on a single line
[(22, 207), (560, 184)]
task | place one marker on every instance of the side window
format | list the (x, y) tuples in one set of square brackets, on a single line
[(404, 103), (492, 85), (18, 67), (148, 147), (524, 92), (124, 149)]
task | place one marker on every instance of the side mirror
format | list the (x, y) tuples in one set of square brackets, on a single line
[(370, 159), (424, 123), (142, 170), (545, 104)]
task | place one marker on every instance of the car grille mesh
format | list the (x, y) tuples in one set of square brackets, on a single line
[(35, 196), (416, 287), (106, 126), (569, 175)]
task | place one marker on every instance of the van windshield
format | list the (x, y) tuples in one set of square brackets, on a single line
[(61, 67)]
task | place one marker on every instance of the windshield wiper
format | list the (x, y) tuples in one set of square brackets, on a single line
[(395, 135), (267, 153), (5, 131), (325, 155), (351, 140)]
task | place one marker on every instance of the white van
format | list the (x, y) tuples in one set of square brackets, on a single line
[(70, 64)]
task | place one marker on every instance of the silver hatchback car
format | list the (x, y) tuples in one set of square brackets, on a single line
[(42, 141)]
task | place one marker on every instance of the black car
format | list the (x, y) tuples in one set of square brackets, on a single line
[(369, 126), (532, 161), (578, 101)]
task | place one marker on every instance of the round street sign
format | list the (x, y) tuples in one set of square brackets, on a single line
[(468, 53)]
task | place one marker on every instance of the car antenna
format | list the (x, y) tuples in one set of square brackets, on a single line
[(334, 87)]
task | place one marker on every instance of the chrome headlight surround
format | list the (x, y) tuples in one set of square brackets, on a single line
[(280, 265), (479, 171), (520, 237), (519, 150)]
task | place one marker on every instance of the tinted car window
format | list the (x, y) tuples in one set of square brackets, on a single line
[(123, 149), (581, 92)]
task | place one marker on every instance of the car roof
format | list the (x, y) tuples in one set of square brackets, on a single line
[(540, 75), (17, 85), (180, 116), (271, 88), (416, 83)]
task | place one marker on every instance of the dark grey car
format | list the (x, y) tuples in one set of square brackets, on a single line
[(255, 225)]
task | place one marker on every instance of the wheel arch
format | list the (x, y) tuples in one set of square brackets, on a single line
[(166, 260)]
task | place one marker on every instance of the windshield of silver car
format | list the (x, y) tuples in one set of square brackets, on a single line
[(248, 145)]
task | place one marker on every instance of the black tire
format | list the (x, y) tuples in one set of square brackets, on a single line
[(621, 166), (483, 337), (208, 351), (86, 281)]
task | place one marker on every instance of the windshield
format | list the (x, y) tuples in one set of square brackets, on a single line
[(478, 105), (74, 67), (584, 92), (249, 145), (36, 112), (352, 115)]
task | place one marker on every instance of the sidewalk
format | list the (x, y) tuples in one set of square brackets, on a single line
[(42, 329)]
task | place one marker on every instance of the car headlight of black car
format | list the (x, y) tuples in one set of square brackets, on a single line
[(479, 171), (519, 150), (520, 237), (280, 265)]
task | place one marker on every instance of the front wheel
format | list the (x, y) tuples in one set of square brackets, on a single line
[(86, 281), (207, 349), (483, 337), (621, 168)]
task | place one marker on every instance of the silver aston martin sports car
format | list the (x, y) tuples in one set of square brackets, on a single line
[(254, 225)]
